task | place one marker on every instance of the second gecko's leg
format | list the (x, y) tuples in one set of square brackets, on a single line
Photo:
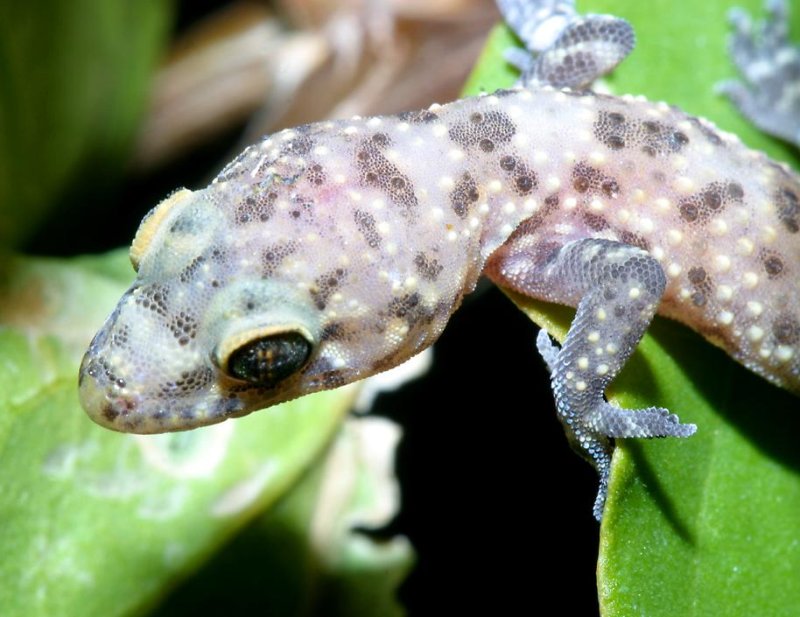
[(616, 289)]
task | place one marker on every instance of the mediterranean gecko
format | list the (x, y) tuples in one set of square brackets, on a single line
[(329, 252)]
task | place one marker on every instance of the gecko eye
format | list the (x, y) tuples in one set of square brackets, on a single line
[(267, 360)]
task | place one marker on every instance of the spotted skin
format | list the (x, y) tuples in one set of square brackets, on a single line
[(361, 237)]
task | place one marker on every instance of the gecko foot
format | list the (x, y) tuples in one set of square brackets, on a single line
[(770, 68), (564, 49)]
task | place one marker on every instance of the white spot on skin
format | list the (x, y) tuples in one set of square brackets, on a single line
[(580, 386), (455, 155), (750, 279), (784, 353), (662, 204), (725, 318), (673, 270), (597, 158), (683, 185), (646, 226), (768, 235), (593, 337), (583, 363), (674, 237), (724, 293), (602, 369), (755, 308), (446, 183), (719, 227), (634, 293), (755, 334), (553, 183), (745, 246), (722, 263)]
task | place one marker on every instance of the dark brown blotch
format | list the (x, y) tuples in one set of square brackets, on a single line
[(184, 327), (154, 298), (591, 181), (316, 175), (273, 255), (787, 204), (257, 207), (381, 139), (628, 237), (418, 117), (710, 200), (697, 275), (485, 130), (428, 268), (325, 286), (365, 223), (594, 221), (298, 146), (378, 172), (464, 195), (773, 265), (786, 330)]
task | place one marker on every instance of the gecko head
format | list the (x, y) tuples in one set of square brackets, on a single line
[(202, 334), (271, 283)]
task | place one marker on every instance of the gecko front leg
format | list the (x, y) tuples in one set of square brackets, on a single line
[(616, 289)]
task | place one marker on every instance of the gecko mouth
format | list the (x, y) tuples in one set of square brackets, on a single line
[(180, 404)]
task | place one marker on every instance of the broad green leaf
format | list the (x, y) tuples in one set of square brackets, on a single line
[(74, 78), (709, 525), (307, 548), (100, 523)]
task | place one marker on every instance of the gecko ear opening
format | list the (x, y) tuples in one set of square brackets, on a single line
[(263, 357)]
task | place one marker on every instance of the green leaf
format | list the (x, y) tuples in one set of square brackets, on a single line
[(707, 525), (100, 523), (307, 548), (75, 77)]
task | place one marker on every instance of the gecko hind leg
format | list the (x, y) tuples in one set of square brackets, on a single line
[(616, 288)]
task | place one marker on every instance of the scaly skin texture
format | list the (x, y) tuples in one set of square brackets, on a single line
[(349, 244)]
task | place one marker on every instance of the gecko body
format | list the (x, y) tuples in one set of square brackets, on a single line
[(332, 251)]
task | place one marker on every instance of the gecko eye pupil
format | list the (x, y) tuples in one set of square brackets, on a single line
[(268, 360)]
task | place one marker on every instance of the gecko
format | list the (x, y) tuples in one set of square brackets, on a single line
[(332, 251)]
